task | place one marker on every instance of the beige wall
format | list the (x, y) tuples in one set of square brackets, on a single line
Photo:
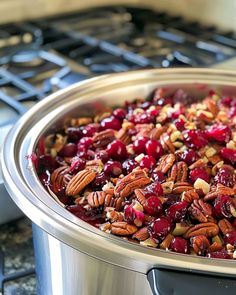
[(218, 12)]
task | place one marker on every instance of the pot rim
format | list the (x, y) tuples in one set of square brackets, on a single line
[(24, 187)]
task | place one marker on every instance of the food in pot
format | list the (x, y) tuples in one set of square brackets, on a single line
[(160, 172)]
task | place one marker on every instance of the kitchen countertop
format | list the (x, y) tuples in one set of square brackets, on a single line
[(17, 247)]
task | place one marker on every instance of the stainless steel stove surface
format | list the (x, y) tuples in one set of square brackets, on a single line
[(39, 57)]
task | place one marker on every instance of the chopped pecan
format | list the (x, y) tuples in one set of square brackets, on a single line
[(60, 178), (214, 159), (200, 210), (166, 143), (197, 164), (208, 229), (79, 182), (179, 172), (114, 216), (123, 228), (102, 138), (95, 165), (165, 163), (139, 193), (142, 234), (136, 179), (166, 242), (143, 129), (180, 187), (200, 244), (214, 247), (156, 132), (189, 196), (123, 136), (212, 106), (220, 190), (225, 226), (96, 199)]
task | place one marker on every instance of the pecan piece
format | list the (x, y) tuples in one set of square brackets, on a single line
[(179, 172), (190, 195), (166, 143), (219, 190), (123, 228), (114, 216), (180, 187), (225, 226), (123, 136), (126, 186), (79, 182), (165, 163), (166, 242), (142, 234), (143, 129), (102, 138), (60, 178), (200, 244), (156, 132), (96, 199), (211, 105), (95, 165), (208, 229), (200, 210), (214, 247), (139, 193)]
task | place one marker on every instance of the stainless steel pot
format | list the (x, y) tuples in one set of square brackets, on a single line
[(73, 257)]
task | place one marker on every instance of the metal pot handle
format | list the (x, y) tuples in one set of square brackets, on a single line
[(169, 282)]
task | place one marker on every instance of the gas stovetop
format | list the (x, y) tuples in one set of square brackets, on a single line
[(40, 57)]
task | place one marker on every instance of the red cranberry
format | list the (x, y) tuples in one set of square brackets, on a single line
[(90, 129), (219, 133), (102, 155), (68, 150), (154, 148), (113, 168), (117, 150), (222, 254), (142, 118), (148, 162), (129, 214), (77, 165), (157, 175), (74, 134), (110, 123), (160, 228), (129, 165), (44, 179), (153, 206), (230, 238), (47, 162), (226, 176), (228, 154), (91, 216), (154, 188), (226, 100), (232, 112), (224, 207), (194, 139), (179, 245), (41, 146), (179, 124), (100, 180), (189, 156), (177, 211), (85, 143), (140, 145), (199, 172), (119, 114), (154, 112)]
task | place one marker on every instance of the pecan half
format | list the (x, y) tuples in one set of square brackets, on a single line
[(79, 182), (166, 143), (139, 193), (123, 228), (220, 190), (165, 163), (225, 226), (136, 179), (214, 247), (96, 199), (102, 138), (60, 178), (200, 210), (179, 172), (180, 187), (208, 229), (190, 195), (142, 234), (156, 132), (200, 244), (114, 216)]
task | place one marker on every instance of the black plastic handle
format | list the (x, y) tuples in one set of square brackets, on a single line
[(169, 282)]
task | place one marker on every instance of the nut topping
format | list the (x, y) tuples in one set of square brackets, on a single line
[(79, 182), (207, 229), (123, 229), (96, 199)]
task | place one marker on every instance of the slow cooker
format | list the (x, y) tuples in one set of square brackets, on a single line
[(73, 257)]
